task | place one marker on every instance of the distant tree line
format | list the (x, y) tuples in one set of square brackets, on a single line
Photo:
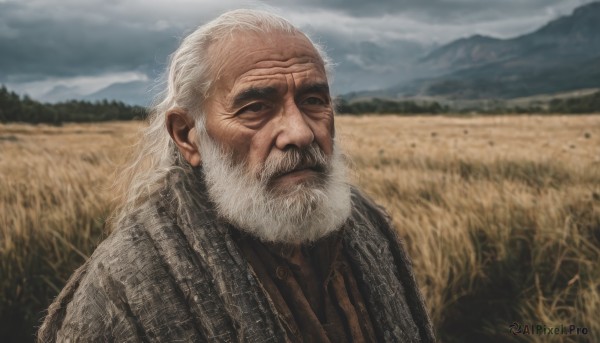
[(382, 106), (583, 104), (575, 105), (14, 108)]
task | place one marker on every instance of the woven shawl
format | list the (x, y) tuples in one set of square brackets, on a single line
[(164, 277)]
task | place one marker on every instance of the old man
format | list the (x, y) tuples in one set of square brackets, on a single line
[(237, 222)]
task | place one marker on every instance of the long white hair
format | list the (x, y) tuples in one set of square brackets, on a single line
[(188, 82)]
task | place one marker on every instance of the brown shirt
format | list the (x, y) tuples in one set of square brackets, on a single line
[(313, 289)]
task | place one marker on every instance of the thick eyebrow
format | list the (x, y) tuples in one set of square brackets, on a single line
[(321, 88), (253, 93)]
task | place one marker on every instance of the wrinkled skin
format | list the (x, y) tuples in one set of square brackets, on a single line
[(271, 93)]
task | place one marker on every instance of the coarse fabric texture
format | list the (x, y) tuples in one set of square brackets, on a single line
[(172, 273), (313, 287)]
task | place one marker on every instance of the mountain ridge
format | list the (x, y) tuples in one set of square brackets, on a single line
[(562, 55)]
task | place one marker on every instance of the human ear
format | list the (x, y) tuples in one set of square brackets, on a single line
[(182, 128)]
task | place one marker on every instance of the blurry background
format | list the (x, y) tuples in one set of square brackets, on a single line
[(60, 50)]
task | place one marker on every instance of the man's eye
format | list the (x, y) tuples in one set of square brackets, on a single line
[(255, 107), (313, 100)]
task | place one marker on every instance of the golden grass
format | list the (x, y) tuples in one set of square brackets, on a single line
[(500, 214), (53, 203)]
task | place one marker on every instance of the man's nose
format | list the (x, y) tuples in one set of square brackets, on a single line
[(294, 130)]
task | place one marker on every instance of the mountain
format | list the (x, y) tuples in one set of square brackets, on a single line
[(467, 52), (561, 56), (132, 93), (60, 93)]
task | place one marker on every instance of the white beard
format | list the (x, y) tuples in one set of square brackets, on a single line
[(304, 213)]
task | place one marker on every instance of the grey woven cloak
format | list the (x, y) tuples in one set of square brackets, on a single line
[(162, 277)]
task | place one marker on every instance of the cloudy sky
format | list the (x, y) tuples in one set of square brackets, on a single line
[(56, 49)]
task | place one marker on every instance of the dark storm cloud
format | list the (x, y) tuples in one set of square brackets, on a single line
[(448, 11), (368, 64), (33, 45), (374, 43)]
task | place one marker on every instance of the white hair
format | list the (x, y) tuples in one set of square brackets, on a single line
[(298, 214), (188, 81)]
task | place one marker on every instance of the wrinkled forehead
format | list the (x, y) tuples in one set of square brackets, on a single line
[(241, 53)]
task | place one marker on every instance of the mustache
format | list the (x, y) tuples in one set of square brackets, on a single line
[(310, 157)]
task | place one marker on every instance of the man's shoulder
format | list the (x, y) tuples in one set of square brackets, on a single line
[(369, 225), (136, 243), (126, 244), (95, 291), (385, 269), (123, 287), (366, 211), (128, 253)]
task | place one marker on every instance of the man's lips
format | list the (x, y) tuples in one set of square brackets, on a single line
[(314, 169)]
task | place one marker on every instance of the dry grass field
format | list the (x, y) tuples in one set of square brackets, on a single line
[(500, 214)]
